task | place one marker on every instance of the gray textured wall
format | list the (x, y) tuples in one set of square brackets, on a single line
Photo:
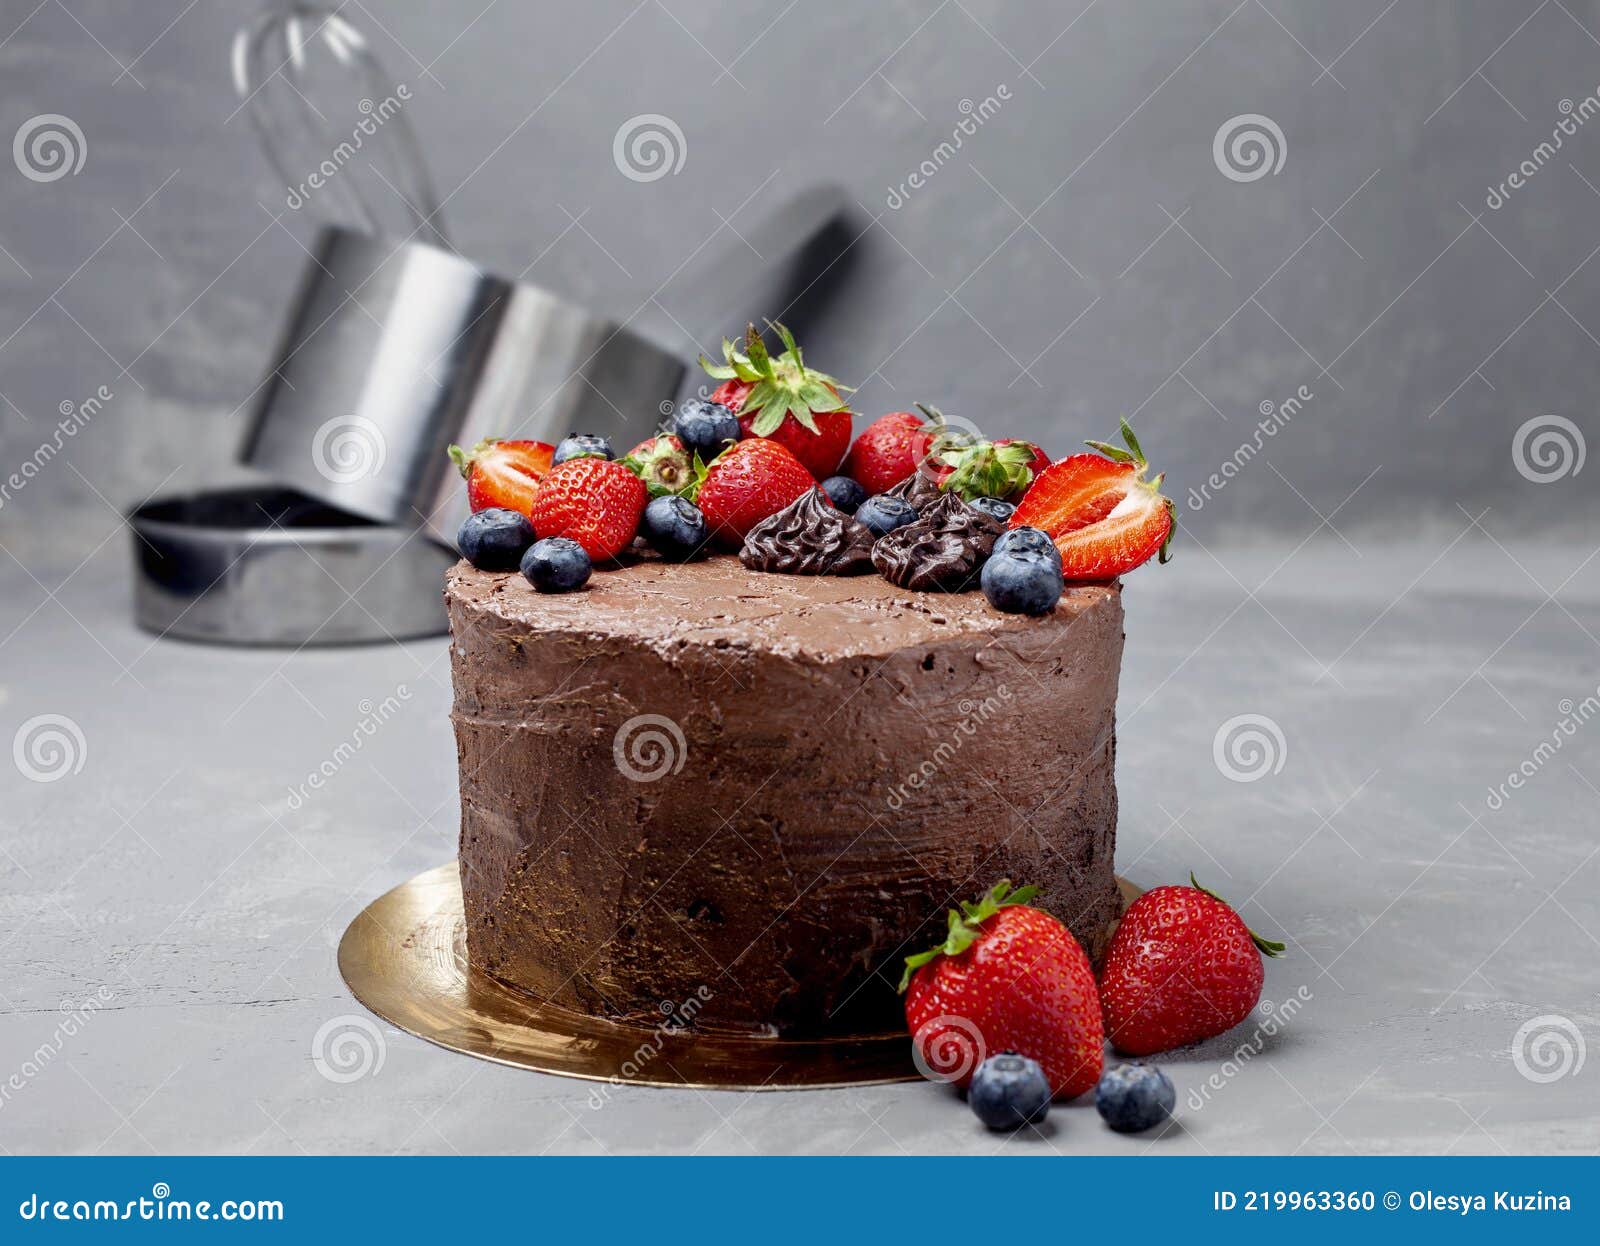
[(1082, 255)]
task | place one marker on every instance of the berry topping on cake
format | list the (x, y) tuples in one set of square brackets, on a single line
[(1182, 967), (782, 399), (494, 539), (747, 482), (596, 502), (663, 463), (1027, 541), (556, 564), (675, 528), (993, 506), (1007, 978), (584, 446), (885, 513), (1104, 516), (889, 450), (1021, 583), (1009, 1091), (845, 493), (1132, 1098), (943, 549), (705, 428), (503, 472), (810, 536), (976, 467)]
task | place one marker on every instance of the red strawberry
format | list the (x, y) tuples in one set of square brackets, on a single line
[(596, 502), (747, 482), (503, 473), (663, 464), (1007, 978), (1105, 517), (1182, 967), (888, 451), (783, 400)]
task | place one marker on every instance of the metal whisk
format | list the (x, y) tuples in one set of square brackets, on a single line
[(332, 123)]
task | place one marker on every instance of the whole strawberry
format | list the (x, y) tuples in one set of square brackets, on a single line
[(663, 464), (503, 473), (746, 483), (1182, 967), (783, 400), (976, 467), (595, 502), (888, 450), (1007, 978)]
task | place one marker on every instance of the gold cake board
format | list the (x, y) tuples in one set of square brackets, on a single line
[(404, 957)]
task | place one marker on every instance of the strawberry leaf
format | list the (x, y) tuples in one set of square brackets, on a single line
[(962, 928)]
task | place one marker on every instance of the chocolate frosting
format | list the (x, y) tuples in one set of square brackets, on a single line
[(810, 536), (770, 787), (919, 490), (943, 549)]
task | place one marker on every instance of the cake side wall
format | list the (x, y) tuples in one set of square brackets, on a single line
[(813, 826)]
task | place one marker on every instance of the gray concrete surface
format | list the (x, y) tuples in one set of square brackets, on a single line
[(167, 879), (1081, 256)]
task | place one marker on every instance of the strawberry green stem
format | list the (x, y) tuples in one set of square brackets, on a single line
[(963, 925)]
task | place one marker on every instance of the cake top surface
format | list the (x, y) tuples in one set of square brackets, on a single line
[(719, 602)]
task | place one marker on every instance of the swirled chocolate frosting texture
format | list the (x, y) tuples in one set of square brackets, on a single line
[(920, 490), (810, 536), (943, 549)]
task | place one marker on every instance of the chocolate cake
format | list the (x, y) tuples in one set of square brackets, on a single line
[(763, 791)]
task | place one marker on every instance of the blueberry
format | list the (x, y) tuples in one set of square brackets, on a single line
[(844, 493), (1027, 543), (583, 446), (705, 428), (674, 528), (556, 564), (493, 539), (1134, 1097), (1009, 1091), (1021, 583), (883, 513), (993, 506)]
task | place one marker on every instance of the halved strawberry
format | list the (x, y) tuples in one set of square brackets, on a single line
[(503, 472), (1104, 516), (783, 400)]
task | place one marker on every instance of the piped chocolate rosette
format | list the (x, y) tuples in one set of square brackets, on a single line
[(810, 536)]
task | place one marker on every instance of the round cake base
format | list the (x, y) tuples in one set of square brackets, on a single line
[(404, 958)]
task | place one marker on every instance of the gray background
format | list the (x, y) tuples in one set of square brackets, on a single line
[(1409, 609)]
